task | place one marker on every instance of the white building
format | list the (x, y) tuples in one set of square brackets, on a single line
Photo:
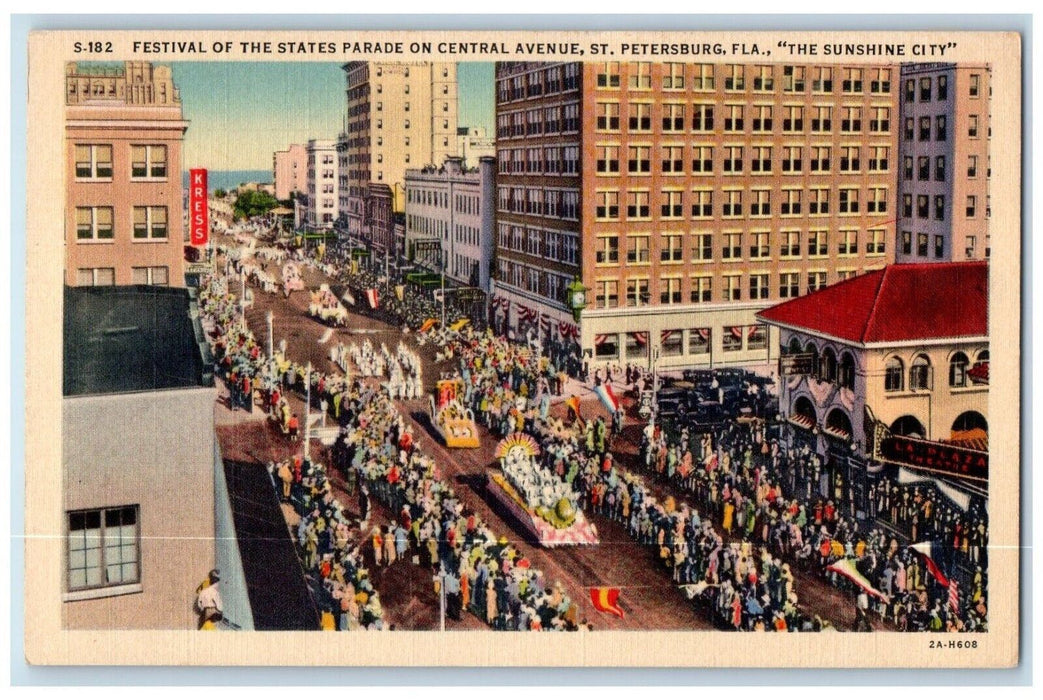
[(473, 143), (450, 209), (322, 183)]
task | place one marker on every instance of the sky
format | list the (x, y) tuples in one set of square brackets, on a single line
[(239, 113)]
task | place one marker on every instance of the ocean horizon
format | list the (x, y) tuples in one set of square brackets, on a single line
[(230, 179)]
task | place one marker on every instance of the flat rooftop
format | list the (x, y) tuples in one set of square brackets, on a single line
[(131, 339)]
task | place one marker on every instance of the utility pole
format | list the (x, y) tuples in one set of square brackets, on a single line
[(443, 288), (307, 414), (271, 352)]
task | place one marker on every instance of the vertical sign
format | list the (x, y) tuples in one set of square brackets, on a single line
[(198, 220)]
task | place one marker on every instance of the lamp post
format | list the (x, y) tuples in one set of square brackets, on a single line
[(307, 414), (443, 256), (271, 352)]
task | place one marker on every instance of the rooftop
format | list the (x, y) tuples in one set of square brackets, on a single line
[(131, 339), (924, 301)]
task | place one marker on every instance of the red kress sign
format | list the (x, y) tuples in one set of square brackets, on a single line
[(198, 216), (935, 457)]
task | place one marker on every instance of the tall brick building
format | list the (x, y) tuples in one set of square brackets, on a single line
[(686, 198)]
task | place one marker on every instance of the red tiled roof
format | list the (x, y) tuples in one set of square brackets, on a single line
[(897, 303)]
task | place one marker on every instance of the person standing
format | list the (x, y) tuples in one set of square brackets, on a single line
[(208, 601)]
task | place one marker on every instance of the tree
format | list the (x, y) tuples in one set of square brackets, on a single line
[(220, 193), (250, 203)]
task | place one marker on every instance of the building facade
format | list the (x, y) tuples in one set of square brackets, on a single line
[(290, 171), (451, 209), (687, 197), (124, 130), (944, 205), (399, 116), (321, 211), (144, 523), (877, 350), (473, 143)]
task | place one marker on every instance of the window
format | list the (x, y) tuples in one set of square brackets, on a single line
[(702, 247), (920, 373), (849, 159), (894, 374), (875, 242), (732, 246), (94, 161), (702, 204), (607, 159), (939, 207), (640, 76), (921, 245), (972, 126), (702, 117), (607, 205), (637, 292), (972, 167), (852, 80), (732, 203), (732, 159), (820, 159), (698, 341), (639, 116), (910, 90), (672, 343), (881, 82), (907, 242), (150, 222), (922, 206), (790, 244), (670, 290), (818, 243), (762, 118), (971, 245), (940, 130), (793, 78), (759, 286), (881, 121), (637, 205), (731, 339), (608, 75), (761, 161), (816, 280), (733, 118), (156, 276), (958, 370), (943, 88), (732, 287), (734, 81), (756, 337), (673, 76), (94, 223), (823, 82), (878, 158), (939, 247), (972, 206), (671, 207), (793, 121), (939, 169), (763, 80), (103, 548), (925, 89), (702, 78), (95, 277), (790, 202), (791, 159), (760, 204), (907, 168), (877, 202), (702, 159), (974, 85), (789, 285), (759, 247), (607, 116), (702, 289), (606, 294), (925, 129), (606, 346), (848, 242), (607, 250), (639, 160), (637, 249), (673, 117), (848, 200), (823, 120)]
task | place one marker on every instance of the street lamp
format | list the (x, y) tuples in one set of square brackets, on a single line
[(271, 353)]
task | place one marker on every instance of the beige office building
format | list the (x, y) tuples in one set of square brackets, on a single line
[(123, 196), (687, 197), (399, 116), (290, 171), (944, 205)]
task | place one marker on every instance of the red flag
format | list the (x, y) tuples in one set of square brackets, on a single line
[(924, 550), (606, 600), (198, 214), (573, 403), (954, 596), (372, 298)]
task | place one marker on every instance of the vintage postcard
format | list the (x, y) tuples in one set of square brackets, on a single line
[(523, 348)]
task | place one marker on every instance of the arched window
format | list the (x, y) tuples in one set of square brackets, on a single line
[(846, 374), (983, 356), (794, 345), (828, 368), (894, 372), (908, 426), (958, 370), (920, 373), (969, 421)]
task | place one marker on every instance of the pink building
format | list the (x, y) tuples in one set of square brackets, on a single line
[(290, 168)]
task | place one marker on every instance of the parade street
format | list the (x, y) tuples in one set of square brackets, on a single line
[(649, 598)]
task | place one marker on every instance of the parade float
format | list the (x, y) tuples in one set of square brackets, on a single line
[(291, 278), (450, 418), (541, 502), (326, 307)]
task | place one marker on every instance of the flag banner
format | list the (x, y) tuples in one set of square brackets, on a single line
[(954, 596), (847, 569), (198, 212), (400, 291), (573, 403), (372, 298), (608, 398), (428, 325), (606, 600), (927, 552), (458, 325), (348, 298)]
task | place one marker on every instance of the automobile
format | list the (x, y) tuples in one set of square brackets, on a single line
[(706, 415)]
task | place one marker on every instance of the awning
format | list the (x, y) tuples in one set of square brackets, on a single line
[(802, 421)]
